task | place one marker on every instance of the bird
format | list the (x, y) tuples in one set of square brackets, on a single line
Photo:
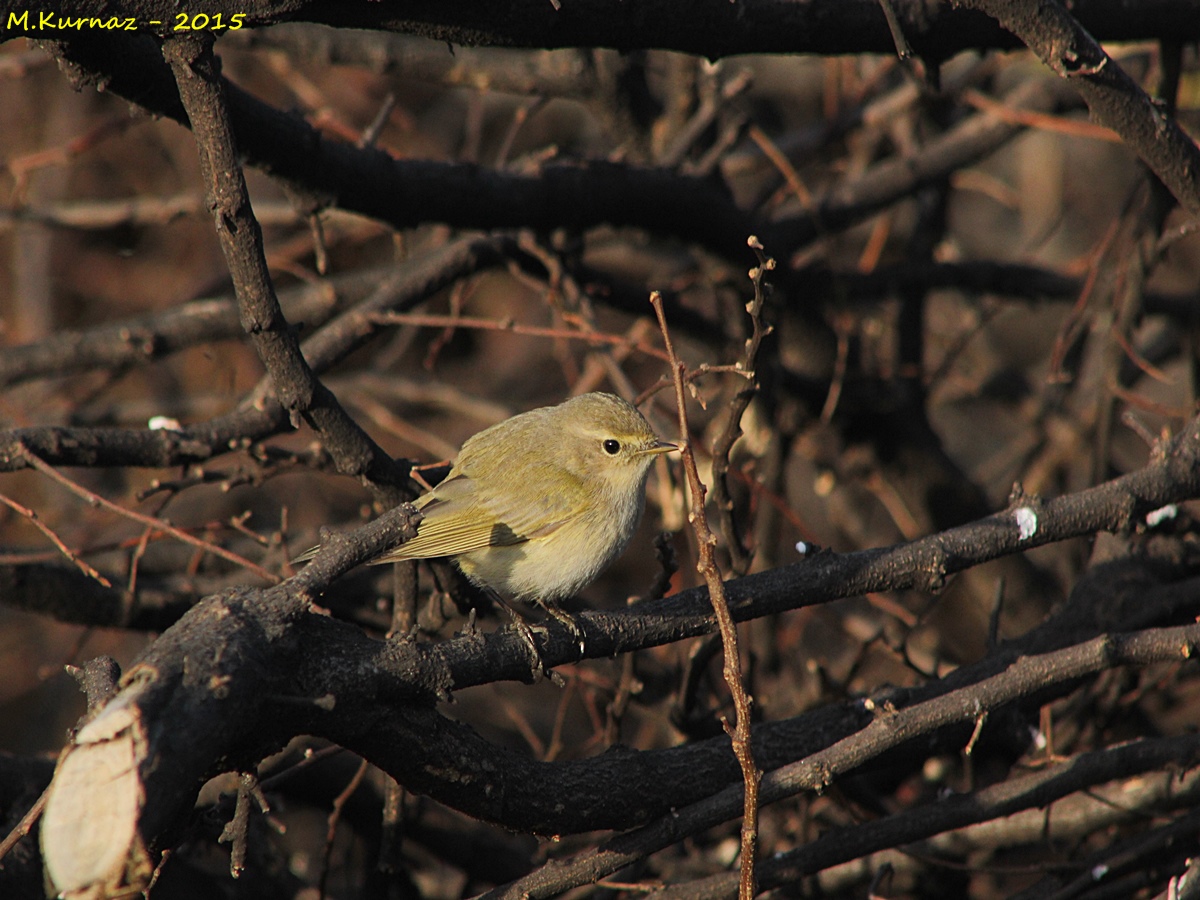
[(535, 507)]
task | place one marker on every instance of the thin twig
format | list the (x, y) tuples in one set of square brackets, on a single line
[(707, 566), (54, 539), (331, 823), (782, 164), (430, 320), (1040, 121), (903, 49), (94, 499), (26, 824)]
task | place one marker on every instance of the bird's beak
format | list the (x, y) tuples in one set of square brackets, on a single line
[(661, 447)]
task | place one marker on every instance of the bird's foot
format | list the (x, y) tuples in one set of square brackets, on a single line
[(569, 623)]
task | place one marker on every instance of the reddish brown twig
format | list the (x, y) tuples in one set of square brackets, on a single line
[(435, 321), (331, 823), (54, 539), (1040, 121), (739, 733), (95, 499)]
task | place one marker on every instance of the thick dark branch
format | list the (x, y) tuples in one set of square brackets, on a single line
[(141, 339), (1115, 99), (924, 564), (66, 594), (243, 675), (246, 670), (249, 643), (201, 91), (257, 417), (408, 193), (559, 73), (489, 783), (1040, 789), (710, 28), (1116, 506), (294, 384), (893, 727), (893, 179), (558, 195), (999, 279)]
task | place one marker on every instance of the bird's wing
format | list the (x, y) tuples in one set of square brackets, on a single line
[(458, 519)]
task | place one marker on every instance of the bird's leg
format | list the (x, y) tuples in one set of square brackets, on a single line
[(568, 621), (523, 629)]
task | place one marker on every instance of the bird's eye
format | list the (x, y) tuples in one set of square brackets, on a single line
[(611, 447)]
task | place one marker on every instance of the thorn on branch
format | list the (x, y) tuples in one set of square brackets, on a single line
[(97, 678), (236, 831)]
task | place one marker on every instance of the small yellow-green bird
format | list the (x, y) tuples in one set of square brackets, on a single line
[(538, 505)]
